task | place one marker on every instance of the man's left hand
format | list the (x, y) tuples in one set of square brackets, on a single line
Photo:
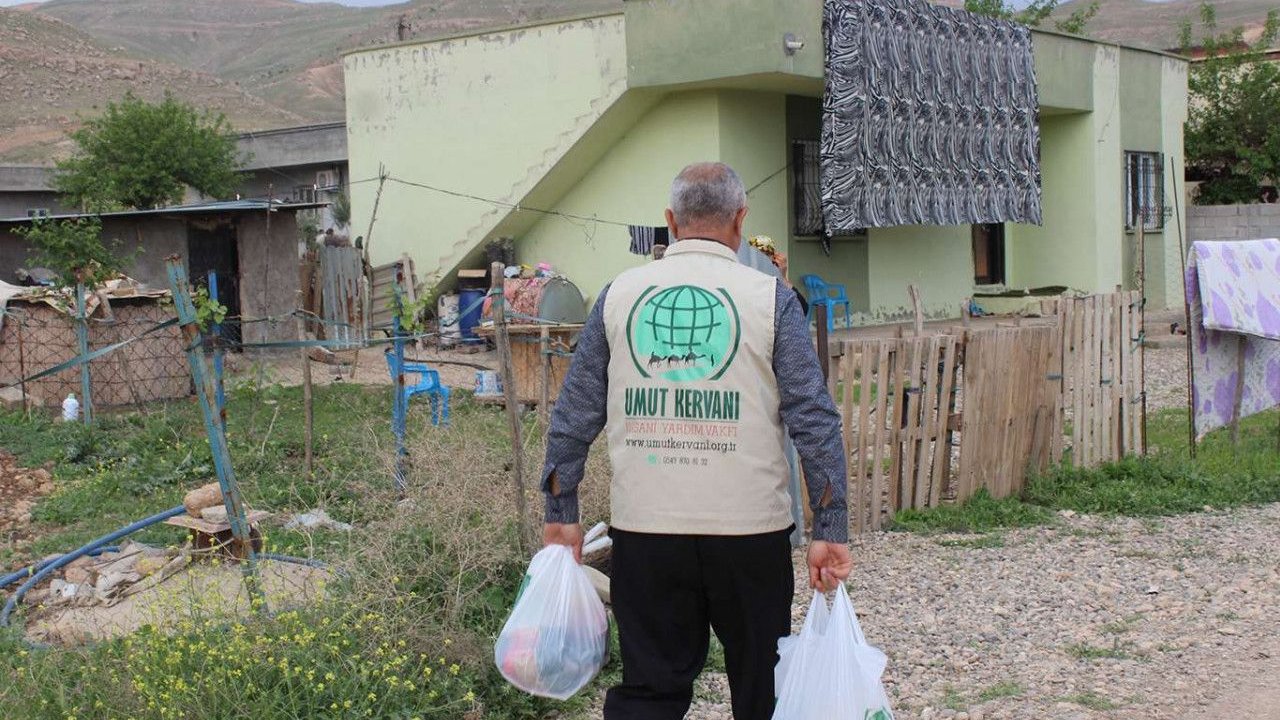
[(780, 261), (829, 564)]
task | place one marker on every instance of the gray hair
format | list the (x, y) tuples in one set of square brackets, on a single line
[(707, 192)]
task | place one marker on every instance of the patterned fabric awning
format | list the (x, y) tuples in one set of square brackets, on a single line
[(930, 117)]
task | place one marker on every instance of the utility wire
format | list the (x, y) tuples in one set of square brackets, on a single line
[(525, 208)]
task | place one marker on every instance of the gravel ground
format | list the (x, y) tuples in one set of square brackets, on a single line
[(1166, 378), (1092, 618)]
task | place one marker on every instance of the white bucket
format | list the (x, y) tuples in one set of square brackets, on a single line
[(450, 329), (488, 384)]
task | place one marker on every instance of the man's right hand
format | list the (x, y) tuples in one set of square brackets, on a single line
[(564, 534), (829, 564)]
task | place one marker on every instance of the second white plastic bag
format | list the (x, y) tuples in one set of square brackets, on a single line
[(557, 637), (828, 671)]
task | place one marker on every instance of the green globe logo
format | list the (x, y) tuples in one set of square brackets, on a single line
[(683, 333)]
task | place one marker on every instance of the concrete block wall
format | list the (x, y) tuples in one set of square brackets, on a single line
[(1233, 222)]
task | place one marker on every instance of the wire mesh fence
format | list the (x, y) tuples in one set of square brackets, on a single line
[(36, 337)]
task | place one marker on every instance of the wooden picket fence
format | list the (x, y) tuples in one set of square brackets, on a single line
[(1102, 382), (934, 419)]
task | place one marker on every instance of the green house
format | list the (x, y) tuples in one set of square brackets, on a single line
[(561, 134)]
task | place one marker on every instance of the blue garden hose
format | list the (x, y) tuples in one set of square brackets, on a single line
[(43, 570), (26, 572)]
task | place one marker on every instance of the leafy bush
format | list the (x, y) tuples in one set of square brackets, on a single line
[(73, 250)]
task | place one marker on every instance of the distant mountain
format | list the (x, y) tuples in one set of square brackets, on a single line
[(52, 74), (1157, 24), (287, 52)]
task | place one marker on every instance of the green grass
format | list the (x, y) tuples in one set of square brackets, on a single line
[(952, 699), (980, 513), (1006, 689), (1093, 701), (1085, 651), (1166, 482)]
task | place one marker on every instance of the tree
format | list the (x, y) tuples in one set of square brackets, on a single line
[(73, 250), (144, 155), (1232, 137), (1035, 13)]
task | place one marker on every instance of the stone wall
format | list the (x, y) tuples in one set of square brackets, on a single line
[(1233, 222)]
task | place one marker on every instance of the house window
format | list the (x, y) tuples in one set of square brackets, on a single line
[(1144, 190), (807, 190), (988, 254)]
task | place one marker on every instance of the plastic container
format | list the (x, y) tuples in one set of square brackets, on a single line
[(470, 306), (447, 311), (71, 408)]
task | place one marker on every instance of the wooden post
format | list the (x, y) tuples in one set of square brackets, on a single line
[(1142, 323), (307, 408), (1186, 309), (502, 337), (1239, 394), (824, 347), (544, 404), (213, 426), (914, 292), (22, 369), (368, 269), (399, 403), (82, 336)]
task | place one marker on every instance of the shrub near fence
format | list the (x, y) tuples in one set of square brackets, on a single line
[(934, 419), (153, 368)]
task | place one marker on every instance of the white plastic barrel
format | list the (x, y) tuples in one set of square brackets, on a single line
[(450, 330)]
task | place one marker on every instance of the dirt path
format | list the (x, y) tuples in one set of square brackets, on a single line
[(1095, 618)]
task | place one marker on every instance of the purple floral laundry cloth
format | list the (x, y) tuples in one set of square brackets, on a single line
[(1233, 290)]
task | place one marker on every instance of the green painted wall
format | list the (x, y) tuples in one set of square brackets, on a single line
[(488, 115), (1062, 251), (631, 183), (753, 141)]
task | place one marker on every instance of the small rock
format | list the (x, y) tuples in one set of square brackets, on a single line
[(27, 484), (1153, 590), (77, 575)]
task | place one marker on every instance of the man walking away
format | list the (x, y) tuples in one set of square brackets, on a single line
[(692, 365)]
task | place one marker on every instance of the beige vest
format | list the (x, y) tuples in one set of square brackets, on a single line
[(694, 432)]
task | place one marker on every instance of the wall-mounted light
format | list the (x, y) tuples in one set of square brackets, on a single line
[(791, 44)]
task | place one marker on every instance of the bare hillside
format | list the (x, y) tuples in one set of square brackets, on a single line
[(284, 51), (52, 75), (1156, 24)]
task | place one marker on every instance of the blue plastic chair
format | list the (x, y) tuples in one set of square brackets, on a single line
[(829, 295), (429, 384)]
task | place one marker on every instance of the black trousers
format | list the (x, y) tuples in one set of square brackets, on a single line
[(668, 589)]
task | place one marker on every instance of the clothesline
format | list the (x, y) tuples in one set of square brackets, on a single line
[(518, 207)]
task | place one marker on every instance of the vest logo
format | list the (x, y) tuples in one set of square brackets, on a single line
[(683, 333)]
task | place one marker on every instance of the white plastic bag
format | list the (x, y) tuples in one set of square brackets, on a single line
[(557, 637), (828, 671)]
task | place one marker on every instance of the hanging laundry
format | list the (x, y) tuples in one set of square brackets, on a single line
[(1235, 327), (643, 238)]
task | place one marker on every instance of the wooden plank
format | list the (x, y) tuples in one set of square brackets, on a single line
[(865, 399), (1138, 383), (1058, 366), (1081, 390), (912, 430), (972, 437), (937, 479), (1106, 378), (899, 362), (954, 421), (1088, 382), (929, 426), (877, 452), (853, 488)]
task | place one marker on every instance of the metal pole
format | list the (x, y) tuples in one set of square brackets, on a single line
[(206, 392), (22, 366), (399, 404), (82, 335), (307, 406), (217, 352), (1186, 309), (502, 335)]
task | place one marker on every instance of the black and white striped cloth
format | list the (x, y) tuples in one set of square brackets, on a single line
[(930, 117)]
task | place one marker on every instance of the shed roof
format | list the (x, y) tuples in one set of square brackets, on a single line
[(209, 208)]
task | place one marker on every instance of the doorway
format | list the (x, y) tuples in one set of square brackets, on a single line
[(988, 254), (215, 249)]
